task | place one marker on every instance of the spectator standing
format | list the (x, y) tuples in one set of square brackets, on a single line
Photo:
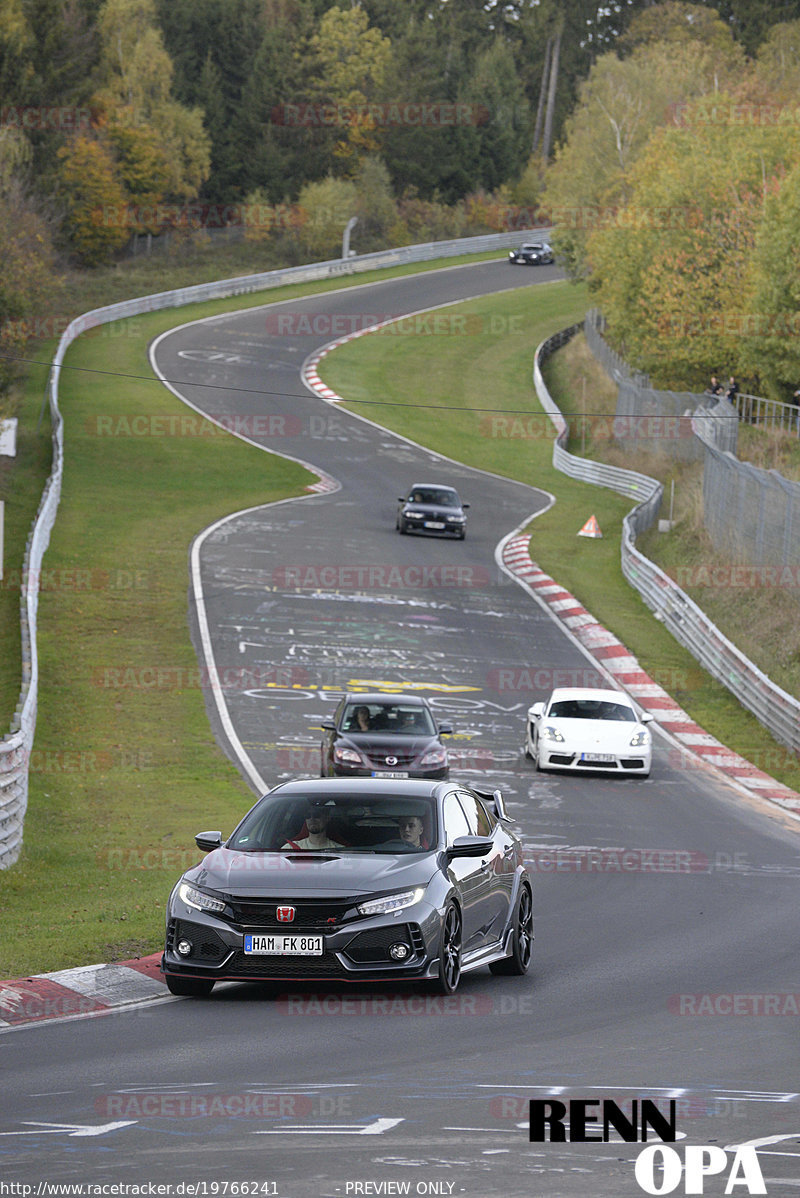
[(715, 386), (732, 391)]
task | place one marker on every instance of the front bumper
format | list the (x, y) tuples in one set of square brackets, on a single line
[(358, 951)]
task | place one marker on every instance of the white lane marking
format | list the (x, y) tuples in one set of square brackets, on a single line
[(764, 1141), (72, 1129), (377, 1128)]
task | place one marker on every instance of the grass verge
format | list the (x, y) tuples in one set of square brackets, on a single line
[(496, 424)]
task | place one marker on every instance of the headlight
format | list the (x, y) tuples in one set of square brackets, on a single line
[(392, 902), (198, 900), (549, 732), (435, 757), (347, 757), (410, 511), (640, 738), (455, 519)]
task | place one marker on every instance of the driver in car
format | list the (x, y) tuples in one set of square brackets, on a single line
[(317, 820)]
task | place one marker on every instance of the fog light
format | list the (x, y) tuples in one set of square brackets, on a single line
[(184, 948), (398, 952)]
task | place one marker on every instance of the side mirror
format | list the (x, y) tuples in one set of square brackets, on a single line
[(469, 846), (328, 725), (465, 505), (401, 498), (446, 729), (646, 717), (535, 712), (208, 841)]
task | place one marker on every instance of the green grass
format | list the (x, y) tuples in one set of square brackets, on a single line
[(472, 373)]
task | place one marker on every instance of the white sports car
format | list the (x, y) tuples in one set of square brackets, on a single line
[(579, 728)]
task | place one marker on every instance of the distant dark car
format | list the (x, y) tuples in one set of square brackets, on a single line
[(533, 253), (431, 508), (384, 736), (373, 907)]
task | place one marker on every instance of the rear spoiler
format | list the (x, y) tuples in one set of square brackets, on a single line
[(496, 802)]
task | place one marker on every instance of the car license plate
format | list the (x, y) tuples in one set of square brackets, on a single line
[(433, 524), (597, 757), (389, 774), (282, 946)]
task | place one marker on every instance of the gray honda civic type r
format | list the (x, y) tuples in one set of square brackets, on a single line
[(353, 880)]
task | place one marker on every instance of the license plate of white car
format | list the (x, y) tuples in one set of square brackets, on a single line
[(282, 946), (389, 774), (433, 524), (597, 757)]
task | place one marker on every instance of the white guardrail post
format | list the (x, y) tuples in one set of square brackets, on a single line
[(773, 707), (17, 746)]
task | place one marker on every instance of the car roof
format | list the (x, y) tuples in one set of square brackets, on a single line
[(386, 697), (589, 692), (436, 486), (417, 788)]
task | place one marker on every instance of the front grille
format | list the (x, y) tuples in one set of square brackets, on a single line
[(404, 759), (374, 944), (262, 913), (599, 765)]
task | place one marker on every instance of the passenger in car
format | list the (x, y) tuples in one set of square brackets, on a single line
[(411, 829)]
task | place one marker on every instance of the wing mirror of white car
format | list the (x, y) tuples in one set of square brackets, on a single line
[(535, 712), (208, 841), (445, 729), (646, 717)]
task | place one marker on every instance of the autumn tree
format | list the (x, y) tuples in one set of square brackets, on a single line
[(672, 268), (26, 280), (93, 198), (621, 104)]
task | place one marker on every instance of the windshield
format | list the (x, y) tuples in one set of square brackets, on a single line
[(592, 709), (442, 496), (388, 719), (297, 823)]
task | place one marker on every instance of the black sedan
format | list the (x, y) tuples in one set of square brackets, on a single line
[(353, 881), (533, 253), (384, 736), (431, 508)]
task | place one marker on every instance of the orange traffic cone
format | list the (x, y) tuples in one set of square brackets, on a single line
[(591, 528)]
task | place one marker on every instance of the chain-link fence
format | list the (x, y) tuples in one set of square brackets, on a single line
[(751, 515)]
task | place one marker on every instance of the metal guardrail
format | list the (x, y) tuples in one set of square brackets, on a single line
[(17, 746), (773, 707), (771, 413)]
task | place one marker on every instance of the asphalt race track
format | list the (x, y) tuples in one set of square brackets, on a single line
[(666, 954)]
